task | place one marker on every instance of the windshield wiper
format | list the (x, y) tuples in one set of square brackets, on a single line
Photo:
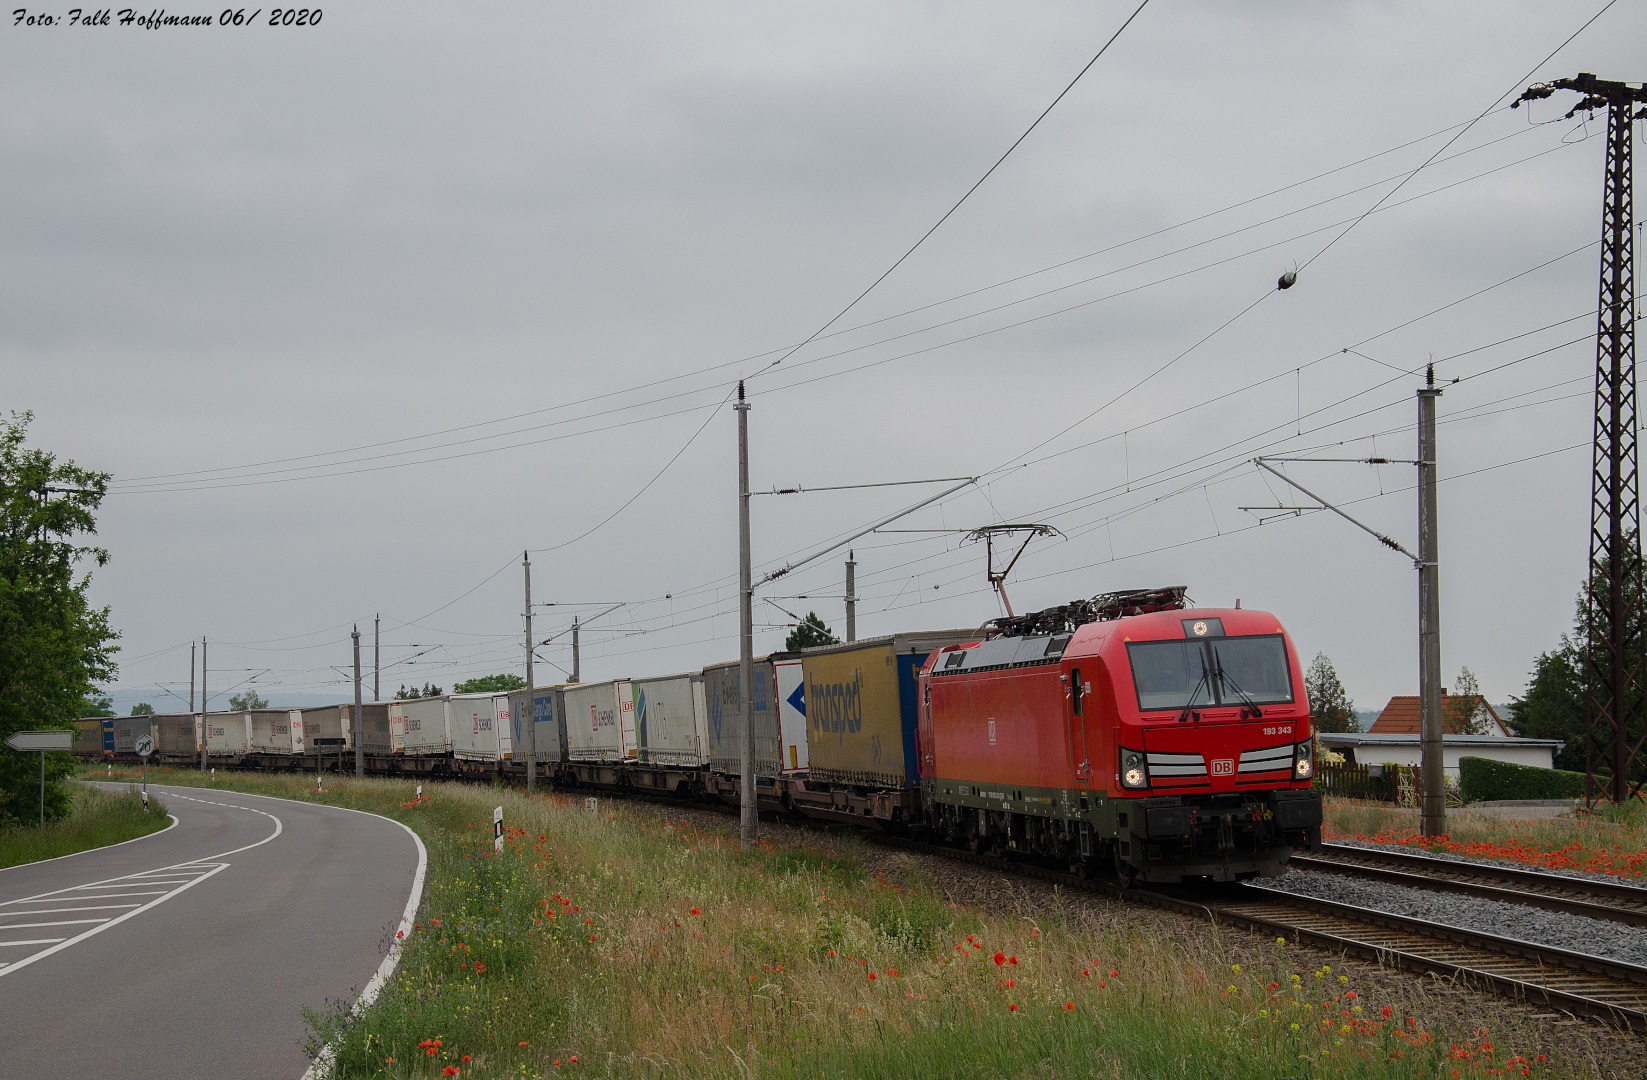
[(1240, 693), (1190, 704)]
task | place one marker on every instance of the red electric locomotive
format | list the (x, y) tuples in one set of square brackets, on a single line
[(1125, 731)]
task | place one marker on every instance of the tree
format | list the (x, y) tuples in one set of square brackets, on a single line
[(1464, 712), (429, 690), (1569, 682), (810, 632), (55, 647), (1554, 705), (1330, 706), (142, 708), (95, 705), (247, 700), (495, 684)]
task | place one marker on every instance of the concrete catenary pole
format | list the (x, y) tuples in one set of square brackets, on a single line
[(531, 718), (377, 656), (576, 677), (205, 713), (1433, 799), (851, 596), (749, 815), (360, 751)]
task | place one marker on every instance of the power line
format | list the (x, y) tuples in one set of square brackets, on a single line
[(1513, 88), (969, 191)]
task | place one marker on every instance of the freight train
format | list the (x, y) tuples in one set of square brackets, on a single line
[(1129, 733)]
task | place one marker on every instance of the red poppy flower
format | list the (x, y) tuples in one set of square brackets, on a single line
[(1115, 974), (1000, 958), (1012, 959), (1011, 983), (1086, 972), (557, 1061), (450, 1070), (697, 911), (1069, 1006), (465, 1057), (574, 1058), (388, 1061), (1012, 1008)]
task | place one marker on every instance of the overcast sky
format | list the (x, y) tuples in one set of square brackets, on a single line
[(354, 313)]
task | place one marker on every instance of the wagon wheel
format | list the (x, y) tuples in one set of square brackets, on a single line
[(1125, 872)]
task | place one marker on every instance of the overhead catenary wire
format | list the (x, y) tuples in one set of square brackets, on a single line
[(758, 356), (1513, 88), (987, 174)]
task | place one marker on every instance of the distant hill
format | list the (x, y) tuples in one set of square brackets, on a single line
[(123, 699)]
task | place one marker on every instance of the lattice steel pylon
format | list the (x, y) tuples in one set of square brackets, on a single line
[(1614, 624)]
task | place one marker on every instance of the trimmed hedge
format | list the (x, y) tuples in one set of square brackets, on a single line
[(1482, 779)]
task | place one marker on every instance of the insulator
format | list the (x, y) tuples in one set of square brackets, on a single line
[(1287, 280)]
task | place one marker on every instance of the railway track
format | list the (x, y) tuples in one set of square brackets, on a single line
[(1604, 900), (1574, 983)]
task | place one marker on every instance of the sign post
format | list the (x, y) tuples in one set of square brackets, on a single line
[(43, 741), (497, 829), (145, 747)]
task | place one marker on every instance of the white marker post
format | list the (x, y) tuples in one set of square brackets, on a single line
[(145, 747), (497, 829), (44, 741), (419, 794)]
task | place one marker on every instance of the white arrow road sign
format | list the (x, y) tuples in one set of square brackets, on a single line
[(41, 740)]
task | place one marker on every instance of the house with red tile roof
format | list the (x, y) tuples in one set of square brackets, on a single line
[(1400, 717)]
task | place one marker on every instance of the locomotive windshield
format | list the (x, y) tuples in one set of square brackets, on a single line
[(1217, 671)]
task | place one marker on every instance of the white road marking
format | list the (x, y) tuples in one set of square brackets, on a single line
[(180, 877), (64, 922), (59, 910)]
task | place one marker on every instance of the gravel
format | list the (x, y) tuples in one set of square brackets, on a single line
[(1468, 860), (1555, 928)]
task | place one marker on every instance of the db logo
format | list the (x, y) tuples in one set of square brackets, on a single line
[(1223, 767)]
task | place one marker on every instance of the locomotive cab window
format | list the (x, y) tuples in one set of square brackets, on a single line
[(1219, 671)]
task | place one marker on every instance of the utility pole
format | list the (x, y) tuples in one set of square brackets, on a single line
[(1433, 800), (531, 687), (748, 812), (377, 655), (1613, 619), (1432, 795), (575, 676), (191, 678), (851, 596), (205, 713), (360, 751)]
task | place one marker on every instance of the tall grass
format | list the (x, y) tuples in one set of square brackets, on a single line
[(96, 819), (1614, 842), (619, 943)]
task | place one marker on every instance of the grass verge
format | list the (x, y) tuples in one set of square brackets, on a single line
[(1614, 842), (615, 942), (97, 819)]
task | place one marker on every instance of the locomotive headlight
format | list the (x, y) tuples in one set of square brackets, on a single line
[(1303, 760), (1134, 774)]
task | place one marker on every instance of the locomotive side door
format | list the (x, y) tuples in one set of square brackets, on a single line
[(1077, 694)]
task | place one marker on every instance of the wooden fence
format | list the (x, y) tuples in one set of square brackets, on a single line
[(1360, 782)]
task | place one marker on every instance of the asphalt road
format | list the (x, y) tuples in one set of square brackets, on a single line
[(191, 952)]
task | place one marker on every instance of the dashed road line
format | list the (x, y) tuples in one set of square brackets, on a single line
[(172, 881)]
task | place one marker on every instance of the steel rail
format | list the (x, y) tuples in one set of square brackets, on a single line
[(1575, 983), (1550, 892)]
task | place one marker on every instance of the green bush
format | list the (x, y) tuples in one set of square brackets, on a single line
[(1483, 779)]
